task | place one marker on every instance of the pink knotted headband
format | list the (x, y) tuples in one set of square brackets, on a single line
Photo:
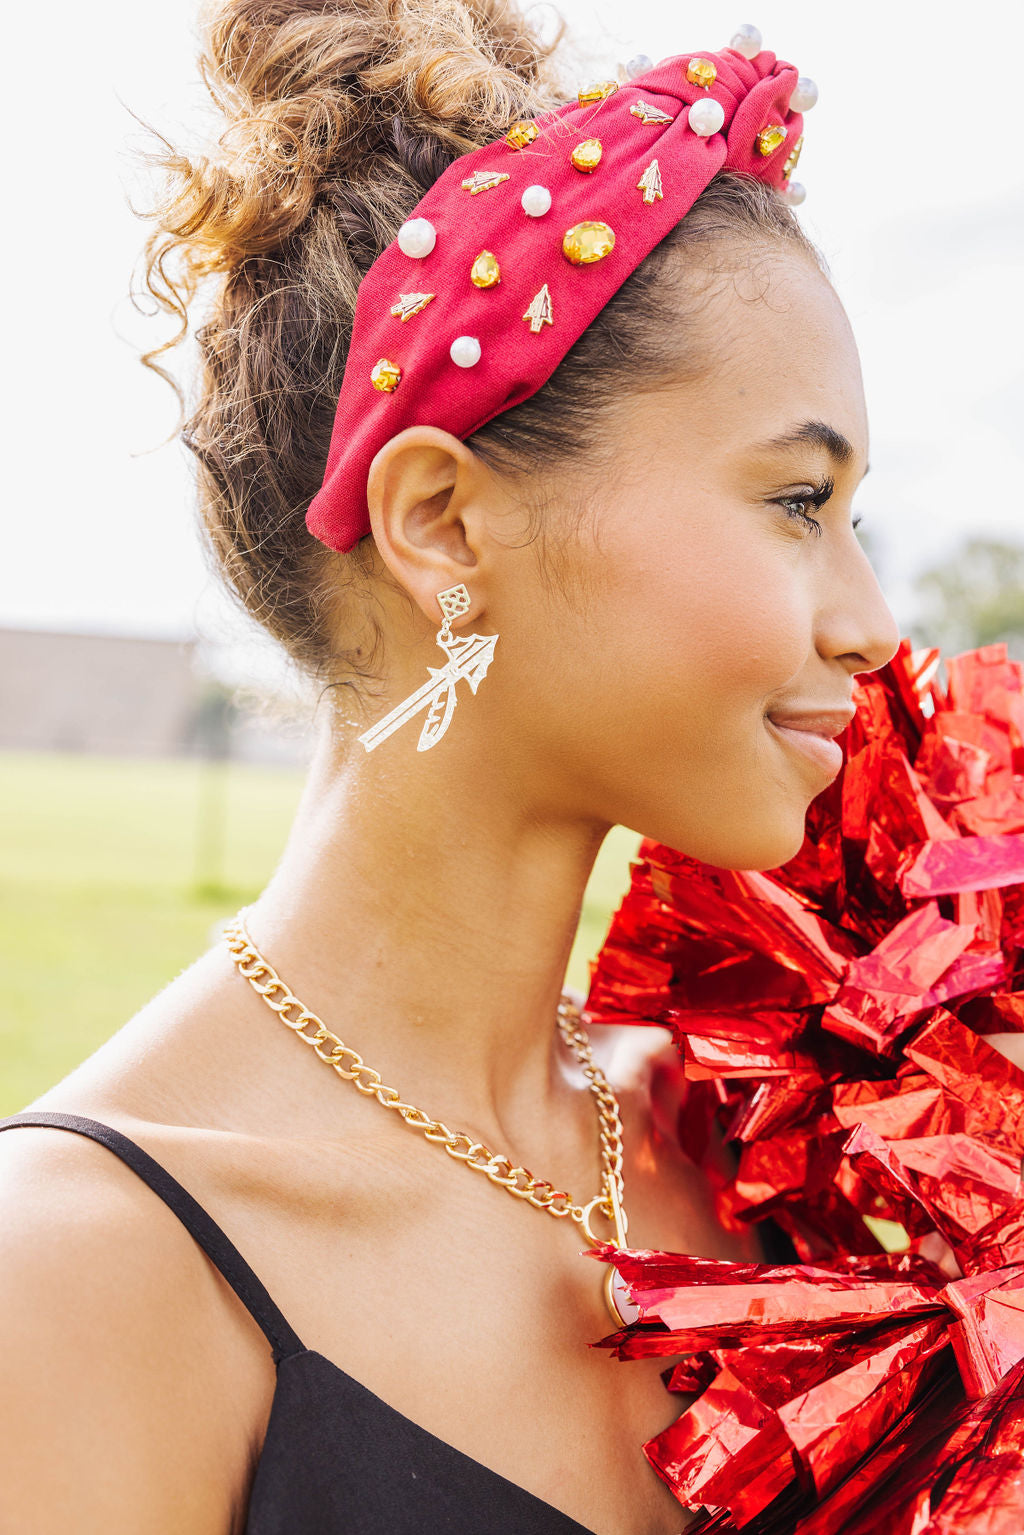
[(519, 244)]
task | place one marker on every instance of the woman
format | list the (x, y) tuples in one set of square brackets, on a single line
[(654, 605)]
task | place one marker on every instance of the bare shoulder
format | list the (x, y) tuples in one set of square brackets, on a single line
[(102, 1303)]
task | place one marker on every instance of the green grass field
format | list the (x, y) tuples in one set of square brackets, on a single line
[(112, 876)]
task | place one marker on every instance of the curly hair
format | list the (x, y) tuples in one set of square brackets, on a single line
[(339, 115)]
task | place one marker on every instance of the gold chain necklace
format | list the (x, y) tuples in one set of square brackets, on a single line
[(499, 1170)]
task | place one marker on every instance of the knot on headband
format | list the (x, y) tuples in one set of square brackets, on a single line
[(519, 244)]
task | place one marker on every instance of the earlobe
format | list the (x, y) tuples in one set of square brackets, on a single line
[(418, 491)]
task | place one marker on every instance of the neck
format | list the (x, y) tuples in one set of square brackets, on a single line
[(426, 912)]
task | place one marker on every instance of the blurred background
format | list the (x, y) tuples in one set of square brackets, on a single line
[(152, 742)]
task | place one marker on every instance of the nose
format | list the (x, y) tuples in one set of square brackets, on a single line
[(855, 623)]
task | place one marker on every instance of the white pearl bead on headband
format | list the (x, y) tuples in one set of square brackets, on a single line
[(417, 237), (536, 201), (747, 40), (805, 94), (706, 117), (465, 351)]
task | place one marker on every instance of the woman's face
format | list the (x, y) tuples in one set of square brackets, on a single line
[(712, 605)]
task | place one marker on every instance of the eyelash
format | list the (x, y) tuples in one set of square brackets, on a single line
[(817, 498)]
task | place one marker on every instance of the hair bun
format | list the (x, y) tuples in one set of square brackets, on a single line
[(328, 97)]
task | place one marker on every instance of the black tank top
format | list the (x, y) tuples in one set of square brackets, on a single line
[(336, 1460)]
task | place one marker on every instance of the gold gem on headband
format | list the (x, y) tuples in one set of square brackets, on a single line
[(385, 376), (521, 134), (597, 92), (587, 156), (485, 271), (701, 72), (769, 139), (588, 241)]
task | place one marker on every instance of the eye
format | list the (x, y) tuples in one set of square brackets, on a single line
[(796, 506)]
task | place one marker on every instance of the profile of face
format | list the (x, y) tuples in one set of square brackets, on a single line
[(712, 587)]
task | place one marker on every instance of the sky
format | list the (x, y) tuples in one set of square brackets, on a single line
[(914, 165)]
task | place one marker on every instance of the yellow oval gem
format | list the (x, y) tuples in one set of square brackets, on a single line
[(587, 156), (792, 158), (586, 242), (384, 375), (701, 72), (485, 271), (522, 133), (769, 139)]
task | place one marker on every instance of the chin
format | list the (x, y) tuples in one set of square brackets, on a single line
[(735, 847)]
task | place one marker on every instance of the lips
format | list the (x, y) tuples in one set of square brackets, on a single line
[(812, 733), (820, 722)]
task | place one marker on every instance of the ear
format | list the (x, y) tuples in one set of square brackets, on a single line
[(424, 493)]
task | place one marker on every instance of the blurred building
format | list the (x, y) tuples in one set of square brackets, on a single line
[(126, 695)]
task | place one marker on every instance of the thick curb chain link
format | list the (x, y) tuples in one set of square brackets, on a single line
[(517, 1181)]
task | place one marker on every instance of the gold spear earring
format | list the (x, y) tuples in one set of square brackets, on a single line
[(469, 656)]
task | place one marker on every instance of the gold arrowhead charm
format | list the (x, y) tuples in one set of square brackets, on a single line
[(792, 158), (409, 304), (650, 183), (540, 312), (482, 181), (649, 114)]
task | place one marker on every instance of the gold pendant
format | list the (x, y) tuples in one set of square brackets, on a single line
[(622, 1309)]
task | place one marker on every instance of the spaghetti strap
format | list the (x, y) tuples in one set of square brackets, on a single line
[(218, 1248)]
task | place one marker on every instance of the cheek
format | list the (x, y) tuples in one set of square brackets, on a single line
[(685, 648), (721, 616)]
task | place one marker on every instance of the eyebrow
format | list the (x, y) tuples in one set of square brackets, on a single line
[(816, 434)]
